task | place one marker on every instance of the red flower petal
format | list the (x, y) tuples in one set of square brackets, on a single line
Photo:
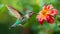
[(49, 7), (50, 19), (55, 12), (44, 7), (40, 20)]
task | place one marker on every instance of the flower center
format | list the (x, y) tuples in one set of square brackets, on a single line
[(44, 13)]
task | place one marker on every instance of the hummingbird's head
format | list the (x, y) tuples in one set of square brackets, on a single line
[(30, 14)]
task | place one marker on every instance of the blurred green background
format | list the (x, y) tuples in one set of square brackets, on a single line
[(6, 20)]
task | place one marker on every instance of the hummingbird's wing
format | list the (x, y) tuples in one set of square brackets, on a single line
[(13, 11), (16, 14)]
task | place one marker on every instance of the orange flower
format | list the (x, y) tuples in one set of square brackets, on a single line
[(47, 14)]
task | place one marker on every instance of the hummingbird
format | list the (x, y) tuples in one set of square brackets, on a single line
[(20, 17)]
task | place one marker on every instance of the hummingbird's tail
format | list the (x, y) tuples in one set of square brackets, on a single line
[(15, 24)]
